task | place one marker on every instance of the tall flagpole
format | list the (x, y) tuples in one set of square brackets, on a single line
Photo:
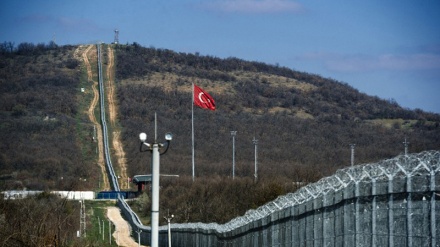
[(192, 124)]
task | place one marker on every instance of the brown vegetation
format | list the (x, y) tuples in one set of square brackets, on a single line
[(304, 124), (43, 220), (47, 139)]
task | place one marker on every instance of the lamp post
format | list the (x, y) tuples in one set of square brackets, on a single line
[(169, 218), (154, 148), (233, 134)]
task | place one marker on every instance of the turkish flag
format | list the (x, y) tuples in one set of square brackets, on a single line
[(202, 99)]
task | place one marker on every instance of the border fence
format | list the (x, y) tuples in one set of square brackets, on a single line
[(390, 203)]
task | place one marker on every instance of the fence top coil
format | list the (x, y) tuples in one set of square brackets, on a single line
[(401, 167)]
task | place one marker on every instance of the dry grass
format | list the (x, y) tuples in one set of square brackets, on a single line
[(168, 81), (392, 123)]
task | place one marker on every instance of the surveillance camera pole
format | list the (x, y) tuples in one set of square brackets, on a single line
[(155, 174)]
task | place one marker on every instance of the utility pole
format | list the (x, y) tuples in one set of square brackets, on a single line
[(255, 141), (110, 232), (82, 219), (233, 134), (352, 153), (95, 138)]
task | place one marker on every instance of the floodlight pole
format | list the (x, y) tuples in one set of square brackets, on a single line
[(255, 141), (233, 134), (155, 175), (406, 143), (352, 153), (155, 194)]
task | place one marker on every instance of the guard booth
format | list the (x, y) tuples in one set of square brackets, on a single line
[(141, 181)]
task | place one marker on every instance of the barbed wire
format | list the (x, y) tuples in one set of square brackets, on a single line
[(404, 166)]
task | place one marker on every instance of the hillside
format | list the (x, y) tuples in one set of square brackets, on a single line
[(304, 124), (46, 135), (302, 121)]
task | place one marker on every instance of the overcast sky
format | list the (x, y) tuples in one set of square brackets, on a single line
[(389, 48)]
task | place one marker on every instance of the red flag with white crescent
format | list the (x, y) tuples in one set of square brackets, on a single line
[(202, 99)]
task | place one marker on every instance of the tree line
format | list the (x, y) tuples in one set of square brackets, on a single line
[(26, 48)]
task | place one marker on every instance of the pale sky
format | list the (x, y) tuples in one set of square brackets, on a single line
[(389, 48)]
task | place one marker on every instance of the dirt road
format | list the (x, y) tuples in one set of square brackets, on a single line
[(112, 106), (110, 86), (90, 113), (122, 229), (122, 232)]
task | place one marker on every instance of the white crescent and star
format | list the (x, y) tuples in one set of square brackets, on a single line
[(200, 98)]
